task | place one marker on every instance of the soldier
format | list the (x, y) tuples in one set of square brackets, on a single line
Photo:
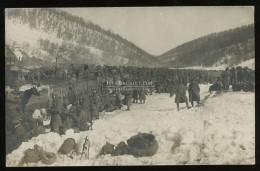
[(219, 83), (135, 96), (12, 107), (84, 115), (226, 79), (104, 101), (95, 104), (86, 72), (239, 74), (112, 103), (181, 95), (16, 85), (38, 74), (71, 96), (142, 96), (194, 92), (246, 73), (128, 98), (81, 118), (118, 101), (56, 111), (67, 120), (65, 99), (234, 76)]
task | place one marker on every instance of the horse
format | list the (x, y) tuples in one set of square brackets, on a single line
[(27, 95)]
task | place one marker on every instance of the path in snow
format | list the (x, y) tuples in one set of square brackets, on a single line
[(219, 132)]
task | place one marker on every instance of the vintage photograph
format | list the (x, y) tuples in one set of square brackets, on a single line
[(123, 86)]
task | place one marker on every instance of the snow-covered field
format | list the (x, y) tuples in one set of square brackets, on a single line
[(248, 63), (221, 131)]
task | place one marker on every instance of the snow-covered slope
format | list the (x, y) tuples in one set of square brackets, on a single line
[(28, 39), (249, 63), (222, 131), (50, 33), (230, 47)]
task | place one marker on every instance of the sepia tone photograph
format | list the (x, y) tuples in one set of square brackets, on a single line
[(130, 86)]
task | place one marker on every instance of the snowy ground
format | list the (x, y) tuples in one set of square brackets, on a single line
[(248, 63), (219, 132)]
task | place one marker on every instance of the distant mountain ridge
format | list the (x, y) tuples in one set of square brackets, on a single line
[(71, 38), (229, 47), (44, 34)]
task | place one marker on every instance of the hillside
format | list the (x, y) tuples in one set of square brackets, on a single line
[(50, 33), (226, 48)]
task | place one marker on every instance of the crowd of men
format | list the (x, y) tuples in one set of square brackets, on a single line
[(88, 90), (94, 97), (239, 78)]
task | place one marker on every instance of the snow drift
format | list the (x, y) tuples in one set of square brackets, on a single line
[(221, 131)]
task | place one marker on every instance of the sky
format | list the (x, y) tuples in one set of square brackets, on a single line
[(159, 29)]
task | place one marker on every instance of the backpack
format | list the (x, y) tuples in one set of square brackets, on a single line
[(121, 149), (67, 146), (142, 144), (107, 149)]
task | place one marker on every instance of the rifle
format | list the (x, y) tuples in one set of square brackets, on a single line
[(84, 147)]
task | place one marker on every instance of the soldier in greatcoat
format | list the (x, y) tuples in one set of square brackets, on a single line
[(181, 94), (194, 92)]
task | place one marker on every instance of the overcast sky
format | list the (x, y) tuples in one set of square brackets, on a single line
[(159, 29)]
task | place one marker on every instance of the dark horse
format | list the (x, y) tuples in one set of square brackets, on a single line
[(27, 95)]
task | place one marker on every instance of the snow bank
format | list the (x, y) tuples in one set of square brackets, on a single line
[(219, 132)]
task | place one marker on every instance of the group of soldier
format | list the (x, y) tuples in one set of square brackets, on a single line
[(239, 78), (87, 92), (93, 96)]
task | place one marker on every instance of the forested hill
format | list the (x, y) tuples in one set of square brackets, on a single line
[(229, 47), (47, 33)]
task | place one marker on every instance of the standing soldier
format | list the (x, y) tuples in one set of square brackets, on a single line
[(86, 72), (135, 96), (142, 96), (16, 85), (38, 73), (95, 104), (245, 74), (128, 97), (71, 96), (181, 95), (194, 92), (239, 74), (84, 114), (234, 76), (55, 111), (226, 79), (218, 84)]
